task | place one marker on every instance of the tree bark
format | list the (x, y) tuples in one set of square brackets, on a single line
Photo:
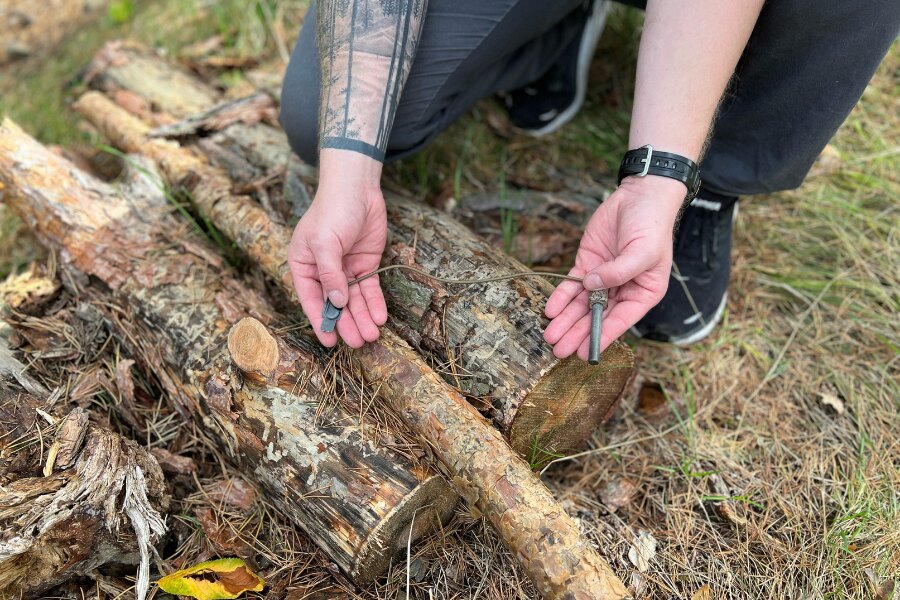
[(61, 516), (489, 336), (176, 303), (475, 456)]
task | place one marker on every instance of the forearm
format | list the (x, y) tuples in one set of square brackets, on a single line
[(687, 55), (366, 51)]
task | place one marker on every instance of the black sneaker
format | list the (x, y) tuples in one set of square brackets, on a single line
[(697, 294), (553, 100)]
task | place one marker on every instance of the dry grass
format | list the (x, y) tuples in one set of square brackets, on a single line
[(771, 469)]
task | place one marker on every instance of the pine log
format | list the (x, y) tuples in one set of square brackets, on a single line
[(490, 336), (176, 303), (84, 499), (484, 469)]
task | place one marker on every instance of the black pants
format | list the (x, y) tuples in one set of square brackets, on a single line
[(804, 68)]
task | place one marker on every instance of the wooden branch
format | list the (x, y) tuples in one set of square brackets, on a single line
[(484, 469), (490, 336), (177, 303)]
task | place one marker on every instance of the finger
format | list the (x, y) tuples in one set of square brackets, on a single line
[(564, 321), (349, 332), (573, 338), (620, 318), (309, 292), (371, 291), (359, 310), (564, 293), (620, 271), (329, 261)]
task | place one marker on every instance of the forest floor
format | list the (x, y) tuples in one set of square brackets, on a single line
[(763, 462)]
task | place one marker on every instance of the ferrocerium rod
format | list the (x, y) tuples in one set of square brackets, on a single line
[(598, 300)]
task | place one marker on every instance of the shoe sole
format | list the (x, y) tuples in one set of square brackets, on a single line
[(592, 30), (696, 336)]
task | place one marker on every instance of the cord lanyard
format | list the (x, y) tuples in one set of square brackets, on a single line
[(597, 301)]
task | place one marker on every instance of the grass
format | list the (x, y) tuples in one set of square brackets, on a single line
[(749, 482)]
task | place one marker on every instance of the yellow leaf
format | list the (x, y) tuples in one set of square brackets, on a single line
[(222, 579)]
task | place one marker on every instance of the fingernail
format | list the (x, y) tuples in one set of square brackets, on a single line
[(337, 298), (592, 281)]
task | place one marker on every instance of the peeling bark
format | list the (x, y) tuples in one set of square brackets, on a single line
[(317, 466), (475, 456), (490, 336)]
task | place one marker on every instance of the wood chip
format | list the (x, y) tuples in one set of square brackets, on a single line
[(173, 464), (71, 437)]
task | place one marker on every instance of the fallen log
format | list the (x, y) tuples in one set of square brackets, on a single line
[(488, 336), (172, 302), (73, 497), (475, 456)]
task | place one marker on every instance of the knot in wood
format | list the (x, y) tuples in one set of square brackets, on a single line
[(253, 349)]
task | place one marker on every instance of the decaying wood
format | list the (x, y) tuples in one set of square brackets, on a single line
[(73, 497), (475, 456), (490, 336), (318, 466)]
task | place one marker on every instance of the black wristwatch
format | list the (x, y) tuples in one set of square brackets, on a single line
[(647, 161)]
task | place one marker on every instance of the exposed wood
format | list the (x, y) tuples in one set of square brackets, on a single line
[(253, 349), (316, 464), (490, 336), (83, 510), (485, 470)]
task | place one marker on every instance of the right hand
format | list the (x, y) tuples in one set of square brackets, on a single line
[(627, 249), (342, 236)]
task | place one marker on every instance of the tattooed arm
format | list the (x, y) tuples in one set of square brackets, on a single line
[(366, 49)]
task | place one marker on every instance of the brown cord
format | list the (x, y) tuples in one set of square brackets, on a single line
[(466, 281)]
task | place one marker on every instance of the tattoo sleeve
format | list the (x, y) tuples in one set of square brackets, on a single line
[(366, 49)]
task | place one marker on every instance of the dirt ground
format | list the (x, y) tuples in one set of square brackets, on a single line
[(763, 462)]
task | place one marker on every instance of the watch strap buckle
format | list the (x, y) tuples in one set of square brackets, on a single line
[(646, 161)]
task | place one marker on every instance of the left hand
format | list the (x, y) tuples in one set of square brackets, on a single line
[(626, 248)]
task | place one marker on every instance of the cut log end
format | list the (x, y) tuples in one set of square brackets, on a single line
[(570, 402), (252, 348), (430, 505)]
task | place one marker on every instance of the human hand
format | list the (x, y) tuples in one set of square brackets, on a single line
[(626, 248), (342, 236)]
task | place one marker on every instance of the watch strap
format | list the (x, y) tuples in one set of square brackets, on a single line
[(647, 161)]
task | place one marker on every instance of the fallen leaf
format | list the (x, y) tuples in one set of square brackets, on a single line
[(233, 492), (642, 550), (638, 585), (224, 539), (885, 591), (617, 493), (222, 579), (704, 593), (829, 399)]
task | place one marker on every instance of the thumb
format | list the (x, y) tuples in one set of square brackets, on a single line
[(620, 271), (331, 275)]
